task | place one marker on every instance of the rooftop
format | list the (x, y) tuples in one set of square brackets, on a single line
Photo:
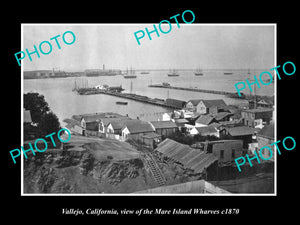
[(208, 103), (198, 186), (117, 122), (195, 102), (240, 131), (205, 119), (163, 124), (208, 129), (187, 156), (175, 102), (258, 110), (181, 120), (214, 102), (222, 115), (267, 131), (71, 123), (138, 126)]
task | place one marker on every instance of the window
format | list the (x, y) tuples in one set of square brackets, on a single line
[(222, 154), (233, 153)]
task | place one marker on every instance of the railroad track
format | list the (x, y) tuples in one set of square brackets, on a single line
[(155, 171)]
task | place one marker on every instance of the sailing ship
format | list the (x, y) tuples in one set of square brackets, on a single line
[(129, 73), (173, 73), (198, 72)]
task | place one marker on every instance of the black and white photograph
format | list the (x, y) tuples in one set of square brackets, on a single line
[(160, 117), (149, 113)]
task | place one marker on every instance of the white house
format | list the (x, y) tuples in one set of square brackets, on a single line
[(166, 116), (206, 106), (136, 129)]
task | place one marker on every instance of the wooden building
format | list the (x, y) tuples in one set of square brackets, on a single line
[(252, 117), (164, 128), (74, 126), (224, 150), (206, 106), (243, 133), (136, 129), (265, 137)]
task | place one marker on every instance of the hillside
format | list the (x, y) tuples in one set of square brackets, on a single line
[(87, 165)]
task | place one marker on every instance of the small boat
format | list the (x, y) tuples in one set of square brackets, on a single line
[(173, 73), (121, 103), (228, 73), (145, 72), (198, 72)]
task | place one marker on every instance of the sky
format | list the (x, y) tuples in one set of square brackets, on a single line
[(208, 46)]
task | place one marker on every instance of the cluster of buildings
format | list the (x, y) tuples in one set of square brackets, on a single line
[(238, 131), (54, 73)]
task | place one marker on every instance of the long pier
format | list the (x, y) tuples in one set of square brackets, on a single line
[(229, 94), (191, 89), (139, 98)]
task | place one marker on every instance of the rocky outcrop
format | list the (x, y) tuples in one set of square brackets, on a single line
[(70, 171)]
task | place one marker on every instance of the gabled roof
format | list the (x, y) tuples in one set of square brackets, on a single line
[(118, 123), (195, 102), (205, 119), (27, 116), (240, 131), (267, 131), (214, 102), (72, 123), (138, 126), (205, 130), (163, 124)]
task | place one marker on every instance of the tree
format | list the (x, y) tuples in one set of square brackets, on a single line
[(47, 122), (37, 105)]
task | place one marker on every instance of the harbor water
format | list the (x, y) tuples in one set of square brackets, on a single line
[(65, 103)]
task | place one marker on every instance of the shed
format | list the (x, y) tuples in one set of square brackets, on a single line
[(190, 158), (165, 128)]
